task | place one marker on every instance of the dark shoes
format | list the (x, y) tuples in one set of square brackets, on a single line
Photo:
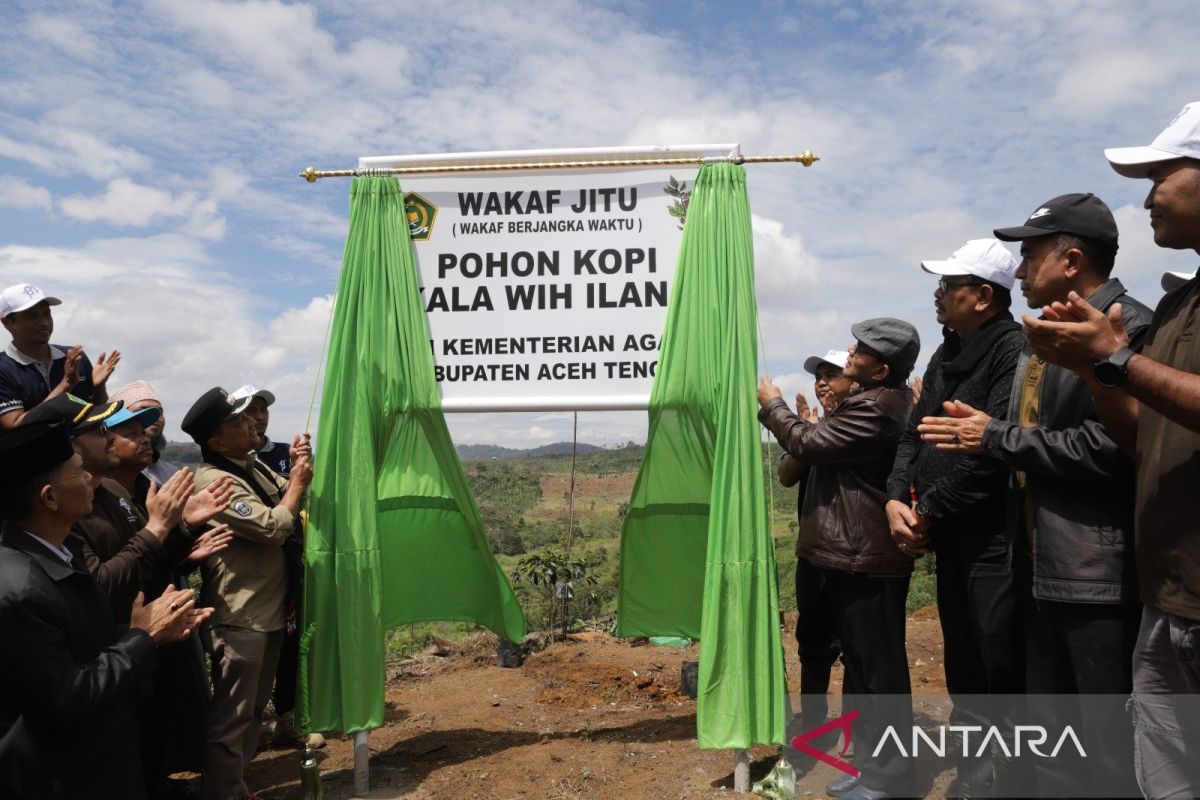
[(839, 787), (861, 792)]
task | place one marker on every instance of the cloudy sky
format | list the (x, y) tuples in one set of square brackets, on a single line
[(149, 151)]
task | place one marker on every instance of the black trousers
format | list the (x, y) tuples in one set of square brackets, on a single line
[(978, 596), (1074, 650), (816, 640), (979, 603), (283, 697), (868, 612)]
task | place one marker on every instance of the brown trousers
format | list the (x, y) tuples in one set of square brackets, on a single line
[(243, 670)]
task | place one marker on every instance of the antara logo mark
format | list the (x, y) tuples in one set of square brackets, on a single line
[(841, 723)]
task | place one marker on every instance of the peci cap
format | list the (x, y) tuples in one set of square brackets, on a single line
[(1078, 214), (28, 450), (23, 296), (77, 415), (1173, 280), (983, 258), (147, 416), (250, 391), (135, 392), (836, 358), (896, 342), (1180, 139), (209, 411)]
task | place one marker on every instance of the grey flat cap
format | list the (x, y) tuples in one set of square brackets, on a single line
[(897, 342)]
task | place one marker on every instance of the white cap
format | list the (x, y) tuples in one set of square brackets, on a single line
[(1173, 280), (250, 391), (837, 358), (22, 296), (984, 258), (1181, 139)]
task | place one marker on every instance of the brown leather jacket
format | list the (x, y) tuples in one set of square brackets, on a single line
[(842, 522)]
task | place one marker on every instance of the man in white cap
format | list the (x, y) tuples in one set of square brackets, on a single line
[(276, 455), (32, 369), (1150, 402), (955, 504)]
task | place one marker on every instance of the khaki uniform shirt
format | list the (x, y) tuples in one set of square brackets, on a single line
[(246, 583)]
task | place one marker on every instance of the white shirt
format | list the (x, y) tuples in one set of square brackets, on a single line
[(61, 551)]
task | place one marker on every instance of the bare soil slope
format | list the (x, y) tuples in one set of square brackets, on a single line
[(593, 717)]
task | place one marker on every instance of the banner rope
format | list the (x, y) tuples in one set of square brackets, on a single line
[(312, 401), (770, 478)]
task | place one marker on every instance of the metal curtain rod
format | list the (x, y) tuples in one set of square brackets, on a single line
[(807, 158)]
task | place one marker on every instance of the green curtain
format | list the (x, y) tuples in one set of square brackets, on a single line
[(697, 558), (394, 535)]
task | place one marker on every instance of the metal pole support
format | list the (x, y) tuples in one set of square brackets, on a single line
[(741, 771), (362, 765)]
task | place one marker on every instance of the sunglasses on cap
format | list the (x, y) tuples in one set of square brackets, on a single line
[(101, 429)]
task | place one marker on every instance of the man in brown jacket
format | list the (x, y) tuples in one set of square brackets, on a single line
[(246, 583), (845, 538)]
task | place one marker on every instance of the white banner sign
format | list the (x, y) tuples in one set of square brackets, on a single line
[(547, 289)]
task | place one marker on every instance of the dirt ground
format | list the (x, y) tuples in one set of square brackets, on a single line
[(593, 717)]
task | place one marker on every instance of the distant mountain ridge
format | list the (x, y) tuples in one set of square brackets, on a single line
[(188, 454), (495, 451)]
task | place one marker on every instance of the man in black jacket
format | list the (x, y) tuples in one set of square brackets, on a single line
[(955, 503), (69, 677), (1070, 496), (844, 539)]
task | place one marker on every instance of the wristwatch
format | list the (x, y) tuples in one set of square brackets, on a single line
[(1111, 372)]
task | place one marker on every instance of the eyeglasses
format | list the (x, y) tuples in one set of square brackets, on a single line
[(946, 286)]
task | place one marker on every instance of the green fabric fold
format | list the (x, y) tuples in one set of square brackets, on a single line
[(394, 535), (697, 558)]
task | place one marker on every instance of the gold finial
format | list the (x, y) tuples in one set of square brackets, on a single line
[(310, 174), (807, 158)]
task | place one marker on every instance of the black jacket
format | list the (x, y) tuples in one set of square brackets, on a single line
[(68, 680), (842, 522), (965, 495), (1081, 483)]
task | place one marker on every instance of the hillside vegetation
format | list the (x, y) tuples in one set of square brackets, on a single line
[(525, 502), (524, 499)]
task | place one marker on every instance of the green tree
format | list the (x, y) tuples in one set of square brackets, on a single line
[(555, 581)]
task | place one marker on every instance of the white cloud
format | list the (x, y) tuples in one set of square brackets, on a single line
[(64, 33), (127, 203), (783, 269), (19, 193), (70, 152), (1106, 81)]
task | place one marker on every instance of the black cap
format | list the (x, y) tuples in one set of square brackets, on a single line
[(896, 342), (1082, 215), (30, 449), (78, 415), (206, 414)]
